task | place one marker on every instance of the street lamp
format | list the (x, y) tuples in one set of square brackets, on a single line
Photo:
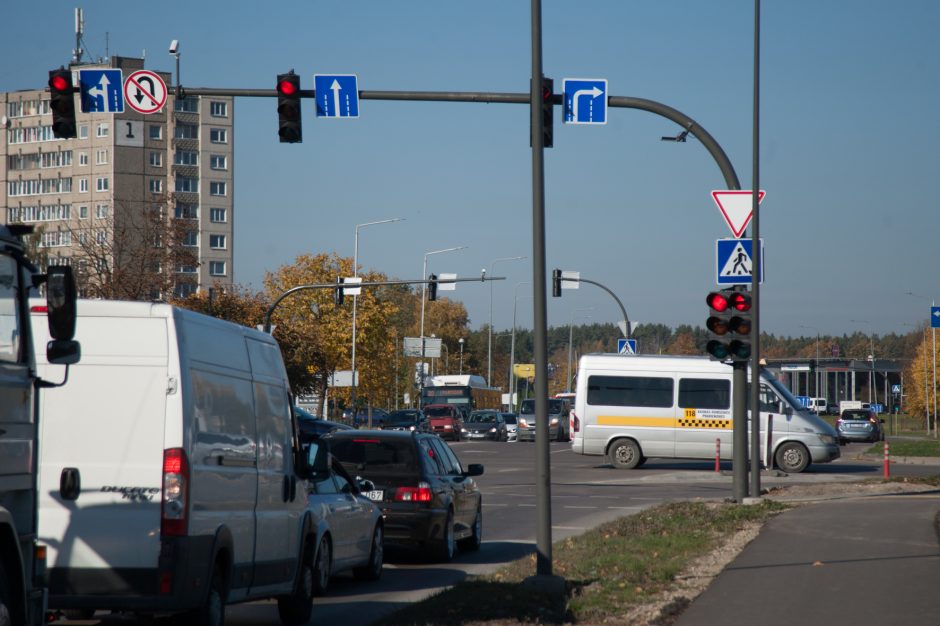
[(175, 51), (817, 356), (570, 341), (460, 341), (489, 341), (352, 394), (512, 348), (871, 357), (424, 286)]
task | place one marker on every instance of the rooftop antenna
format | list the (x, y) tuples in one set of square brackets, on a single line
[(79, 33)]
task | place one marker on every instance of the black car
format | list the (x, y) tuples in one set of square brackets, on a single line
[(429, 501), (486, 424), (407, 419), (312, 427)]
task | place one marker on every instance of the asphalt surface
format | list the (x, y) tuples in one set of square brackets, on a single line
[(870, 561)]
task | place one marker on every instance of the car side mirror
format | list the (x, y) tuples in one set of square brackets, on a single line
[(474, 469), (365, 485)]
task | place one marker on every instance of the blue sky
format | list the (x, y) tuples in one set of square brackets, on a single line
[(849, 144)]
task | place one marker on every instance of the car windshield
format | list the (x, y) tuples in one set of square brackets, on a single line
[(555, 407), (482, 418), (510, 418), (438, 411), (855, 415), (403, 417)]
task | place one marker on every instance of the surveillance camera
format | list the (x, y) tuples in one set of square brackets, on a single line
[(174, 46)]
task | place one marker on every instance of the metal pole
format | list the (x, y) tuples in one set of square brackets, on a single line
[(755, 281), (933, 343), (540, 323), (460, 341), (489, 341), (512, 347), (424, 292)]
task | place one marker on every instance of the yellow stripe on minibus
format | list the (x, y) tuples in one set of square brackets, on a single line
[(617, 420)]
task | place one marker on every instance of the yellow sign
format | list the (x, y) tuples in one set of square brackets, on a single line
[(524, 370)]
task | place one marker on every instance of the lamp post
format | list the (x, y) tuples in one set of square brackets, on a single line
[(570, 341), (817, 356), (424, 287), (871, 357), (460, 341), (352, 393), (489, 340), (512, 346)]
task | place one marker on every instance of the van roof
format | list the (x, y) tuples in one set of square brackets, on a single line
[(653, 362)]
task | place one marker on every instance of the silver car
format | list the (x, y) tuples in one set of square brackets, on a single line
[(558, 426), (511, 426)]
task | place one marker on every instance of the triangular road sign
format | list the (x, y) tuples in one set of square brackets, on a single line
[(736, 207)]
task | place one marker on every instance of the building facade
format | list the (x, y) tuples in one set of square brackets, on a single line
[(128, 184)]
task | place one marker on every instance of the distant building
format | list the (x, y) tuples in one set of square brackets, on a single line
[(179, 161)]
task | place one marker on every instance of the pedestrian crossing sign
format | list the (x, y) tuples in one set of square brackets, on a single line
[(735, 261)]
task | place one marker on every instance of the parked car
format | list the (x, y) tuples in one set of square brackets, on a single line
[(350, 529), (312, 428), (446, 420), (859, 425), (511, 425), (408, 419), (486, 424), (558, 426), (429, 501)]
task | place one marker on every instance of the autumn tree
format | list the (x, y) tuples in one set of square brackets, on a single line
[(233, 303), (919, 388)]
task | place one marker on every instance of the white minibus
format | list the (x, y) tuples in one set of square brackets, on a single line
[(630, 408)]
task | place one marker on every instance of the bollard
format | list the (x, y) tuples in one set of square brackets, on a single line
[(718, 455), (887, 461)]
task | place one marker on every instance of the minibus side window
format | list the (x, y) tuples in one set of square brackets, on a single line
[(704, 393), (769, 401), (630, 391)]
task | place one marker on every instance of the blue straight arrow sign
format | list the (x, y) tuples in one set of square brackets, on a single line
[(337, 95)]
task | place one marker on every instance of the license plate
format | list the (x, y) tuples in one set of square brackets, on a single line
[(853, 425), (480, 435), (375, 496)]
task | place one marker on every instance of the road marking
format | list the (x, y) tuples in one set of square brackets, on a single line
[(532, 505), (580, 507)]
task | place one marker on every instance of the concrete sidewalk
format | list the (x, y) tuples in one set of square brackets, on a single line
[(870, 561)]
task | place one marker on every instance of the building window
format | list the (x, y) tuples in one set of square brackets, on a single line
[(83, 185), (101, 157), (217, 268), (218, 162), (217, 242), (217, 189), (186, 131), (191, 238), (187, 105), (218, 109), (100, 237), (156, 132), (156, 159), (184, 290), (83, 158), (101, 183), (83, 212), (187, 184), (218, 135), (185, 269), (156, 185), (103, 129), (217, 215), (185, 211), (186, 157), (101, 211)]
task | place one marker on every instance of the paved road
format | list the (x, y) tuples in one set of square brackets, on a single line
[(865, 562)]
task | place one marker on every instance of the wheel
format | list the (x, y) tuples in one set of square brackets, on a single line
[(212, 613), (373, 569), (298, 606), (446, 547), (322, 566), (792, 457), (472, 543), (624, 454)]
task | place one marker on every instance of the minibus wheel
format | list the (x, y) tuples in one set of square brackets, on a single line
[(624, 454), (792, 457)]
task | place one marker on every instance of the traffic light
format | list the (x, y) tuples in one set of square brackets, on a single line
[(62, 103), (288, 108), (432, 287), (729, 324), (338, 295), (556, 283), (548, 108)]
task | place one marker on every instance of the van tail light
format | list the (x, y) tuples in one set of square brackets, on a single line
[(174, 520), (575, 423), (421, 493)]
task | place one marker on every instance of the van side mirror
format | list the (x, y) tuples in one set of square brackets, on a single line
[(60, 301), (63, 352)]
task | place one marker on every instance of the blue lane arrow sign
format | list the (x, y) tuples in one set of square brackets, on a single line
[(102, 91), (337, 95), (585, 100), (935, 317)]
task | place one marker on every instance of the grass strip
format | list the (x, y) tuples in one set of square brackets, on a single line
[(905, 447), (607, 570)]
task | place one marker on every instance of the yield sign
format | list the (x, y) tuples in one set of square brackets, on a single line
[(736, 207)]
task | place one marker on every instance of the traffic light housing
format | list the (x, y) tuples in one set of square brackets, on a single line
[(556, 283), (729, 324), (62, 103), (548, 113), (432, 287), (289, 128), (338, 295)]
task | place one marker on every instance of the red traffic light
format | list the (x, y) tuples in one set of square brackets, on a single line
[(288, 87), (740, 301), (59, 82), (717, 301)]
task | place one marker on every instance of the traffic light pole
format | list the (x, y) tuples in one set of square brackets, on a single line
[(623, 311)]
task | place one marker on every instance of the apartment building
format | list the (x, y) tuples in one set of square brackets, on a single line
[(127, 184)]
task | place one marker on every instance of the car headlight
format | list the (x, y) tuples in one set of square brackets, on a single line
[(523, 423), (554, 422), (827, 439), (493, 430), (448, 427)]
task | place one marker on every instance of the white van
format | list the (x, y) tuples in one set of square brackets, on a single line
[(167, 468), (633, 408)]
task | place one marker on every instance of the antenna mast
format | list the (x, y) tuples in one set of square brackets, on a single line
[(79, 32)]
